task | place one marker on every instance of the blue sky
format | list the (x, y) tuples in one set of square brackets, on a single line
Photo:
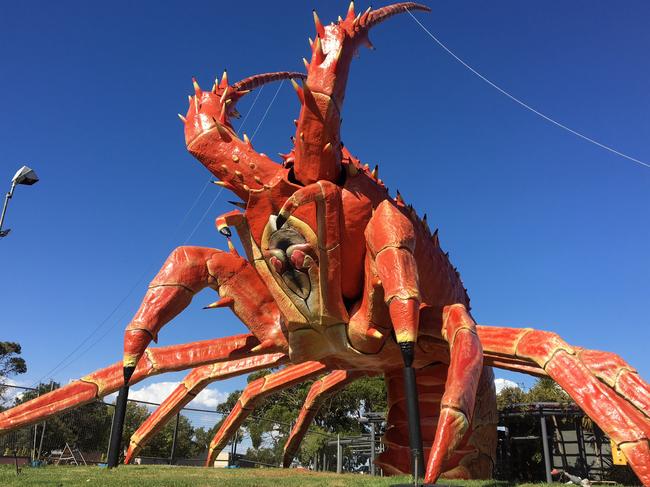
[(547, 230)]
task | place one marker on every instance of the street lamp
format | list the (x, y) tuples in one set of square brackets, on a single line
[(24, 175)]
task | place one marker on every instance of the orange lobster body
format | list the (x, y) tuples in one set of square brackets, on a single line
[(342, 279)]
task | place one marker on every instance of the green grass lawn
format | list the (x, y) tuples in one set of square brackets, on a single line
[(159, 475)]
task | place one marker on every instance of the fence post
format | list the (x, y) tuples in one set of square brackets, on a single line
[(372, 448), (547, 459), (171, 456), (339, 455), (38, 394), (117, 427), (232, 461), (40, 445), (581, 447)]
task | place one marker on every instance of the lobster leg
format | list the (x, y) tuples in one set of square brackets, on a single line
[(187, 271), (391, 243), (457, 405), (619, 375), (108, 380), (197, 380), (254, 392), (319, 392), (616, 415)]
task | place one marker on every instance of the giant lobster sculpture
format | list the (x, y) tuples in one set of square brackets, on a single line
[(341, 280)]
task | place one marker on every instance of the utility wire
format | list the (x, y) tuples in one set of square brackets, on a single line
[(267, 110), (57, 367), (61, 365), (196, 200), (518, 101), (205, 213), (241, 127), (243, 122)]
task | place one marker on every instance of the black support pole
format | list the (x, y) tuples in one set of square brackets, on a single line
[(233, 454), (118, 427), (547, 453), (413, 412)]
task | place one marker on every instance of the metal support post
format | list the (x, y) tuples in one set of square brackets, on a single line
[(412, 412), (581, 448), (339, 455), (40, 445), (38, 386), (35, 435), (118, 427), (372, 448), (234, 448), (174, 435), (547, 456)]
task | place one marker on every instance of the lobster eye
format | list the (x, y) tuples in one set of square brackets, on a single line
[(279, 221)]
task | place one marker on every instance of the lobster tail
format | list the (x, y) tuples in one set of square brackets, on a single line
[(474, 457)]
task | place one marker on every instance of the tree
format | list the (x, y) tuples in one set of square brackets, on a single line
[(546, 390), (271, 421), (10, 364), (135, 415), (313, 443), (509, 396), (341, 412), (160, 445), (526, 458), (203, 437), (87, 427)]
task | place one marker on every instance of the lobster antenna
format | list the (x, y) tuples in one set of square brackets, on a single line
[(258, 80), (377, 16)]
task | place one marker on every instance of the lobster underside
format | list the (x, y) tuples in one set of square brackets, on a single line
[(474, 456), (341, 281)]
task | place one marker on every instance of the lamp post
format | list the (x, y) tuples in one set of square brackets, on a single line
[(24, 175)]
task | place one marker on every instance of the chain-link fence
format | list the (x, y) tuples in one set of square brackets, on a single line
[(82, 435)]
